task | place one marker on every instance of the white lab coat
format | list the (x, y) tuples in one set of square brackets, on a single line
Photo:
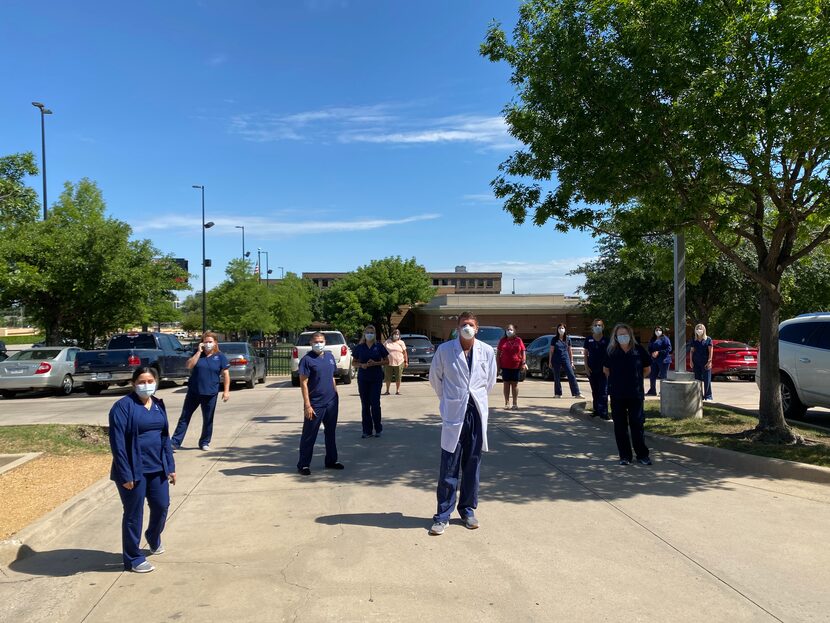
[(454, 383)]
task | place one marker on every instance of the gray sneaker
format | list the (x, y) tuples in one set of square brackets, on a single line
[(470, 522), (438, 528), (144, 567), (205, 447)]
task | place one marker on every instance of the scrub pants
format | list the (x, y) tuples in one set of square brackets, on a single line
[(467, 460), (659, 370), (704, 375), (191, 402), (599, 391), (369, 391), (627, 413), (327, 416), (569, 371), (155, 488)]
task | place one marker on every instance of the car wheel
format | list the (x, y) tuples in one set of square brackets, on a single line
[(67, 385), (94, 389), (7, 393), (792, 406), (295, 381), (264, 374), (250, 383), (346, 378), (544, 370)]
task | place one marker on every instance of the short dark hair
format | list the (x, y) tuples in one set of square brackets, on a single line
[(316, 334), (467, 315), (145, 370)]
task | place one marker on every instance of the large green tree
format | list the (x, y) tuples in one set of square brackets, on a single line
[(18, 202), (658, 115), (373, 293), (240, 304), (77, 273)]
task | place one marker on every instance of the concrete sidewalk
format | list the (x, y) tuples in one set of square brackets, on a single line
[(567, 534)]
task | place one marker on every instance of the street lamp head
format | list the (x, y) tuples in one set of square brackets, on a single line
[(209, 224), (247, 254), (239, 226), (38, 105), (198, 186)]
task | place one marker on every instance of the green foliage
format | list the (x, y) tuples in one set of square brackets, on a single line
[(78, 274), (373, 293), (292, 300), (18, 202)]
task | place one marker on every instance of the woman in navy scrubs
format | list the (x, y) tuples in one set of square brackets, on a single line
[(369, 357), (142, 466), (701, 351), (207, 366), (561, 354), (626, 365), (660, 349)]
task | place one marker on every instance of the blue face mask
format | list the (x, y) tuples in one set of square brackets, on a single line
[(318, 347), (623, 339), (370, 337), (145, 390)]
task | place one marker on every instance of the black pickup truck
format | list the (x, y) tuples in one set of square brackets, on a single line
[(98, 369)]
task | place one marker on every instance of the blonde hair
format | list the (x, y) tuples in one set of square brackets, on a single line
[(702, 326), (363, 335), (612, 346)]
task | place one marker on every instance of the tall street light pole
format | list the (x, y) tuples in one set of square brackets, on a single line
[(205, 226), (259, 264), (282, 272), (267, 269), (43, 112), (242, 227)]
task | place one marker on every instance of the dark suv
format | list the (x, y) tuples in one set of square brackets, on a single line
[(420, 352)]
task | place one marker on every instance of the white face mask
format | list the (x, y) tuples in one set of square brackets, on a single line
[(597, 328), (318, 347), (561, 331), (370, 337), (658, 333), (699, 331), (208, 346), (623, 339), (468, 331), (145, 390), (510, 333), (395, 338)]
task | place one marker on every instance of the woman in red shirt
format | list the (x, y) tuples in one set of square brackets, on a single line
[(512, 360)]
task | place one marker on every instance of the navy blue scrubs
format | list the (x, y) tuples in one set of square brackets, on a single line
[(141, 454), (595, 353), (559, 359), (700, 357), (320, 370), (369, 383), (202, 391), (625, 386), (660, 364)]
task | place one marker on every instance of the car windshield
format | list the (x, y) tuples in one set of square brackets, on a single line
[(417, 342), (578, 342), (38, 353), (121, 342), (490, 334), (732, 345), (332, 338), (232, 348)]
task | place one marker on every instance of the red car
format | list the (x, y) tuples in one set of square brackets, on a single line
[(730, 358)]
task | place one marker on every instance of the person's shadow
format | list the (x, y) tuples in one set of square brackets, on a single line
[(65, 562), (392, 521)]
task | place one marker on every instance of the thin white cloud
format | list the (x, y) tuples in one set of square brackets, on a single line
[(487, 198), (380, 124), (535, 277), (265, 227)]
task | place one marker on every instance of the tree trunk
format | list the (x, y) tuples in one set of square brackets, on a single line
[(772, 427)]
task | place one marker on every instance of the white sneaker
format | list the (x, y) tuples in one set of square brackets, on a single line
[(205, 447), (144, 567), (438, 528)]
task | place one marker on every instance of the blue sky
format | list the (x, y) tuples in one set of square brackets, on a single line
[(335, 131)]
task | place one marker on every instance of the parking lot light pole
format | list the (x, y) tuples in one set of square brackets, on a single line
[(259, 264), (242, 227), (282, 272), (267, 269), (205, 227), (43, 112)]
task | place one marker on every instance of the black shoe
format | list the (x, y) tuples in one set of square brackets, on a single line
[(644, 461), (651, 393), (625, 462), (335, 466), (366, 435), (376, 435), (305, 471), (605, 417)]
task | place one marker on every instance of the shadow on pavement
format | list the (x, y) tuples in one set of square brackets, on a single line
[(535, 454), (393, 521), (65, 562)]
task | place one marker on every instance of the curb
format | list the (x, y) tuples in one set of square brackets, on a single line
[(37, 535), (23, 458), (720, 457)]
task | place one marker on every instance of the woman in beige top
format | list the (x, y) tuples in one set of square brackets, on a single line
[(398, 360)]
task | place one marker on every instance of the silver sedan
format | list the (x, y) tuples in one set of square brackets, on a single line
[(37, 369)]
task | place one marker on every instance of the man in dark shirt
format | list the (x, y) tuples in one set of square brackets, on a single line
[(596, 348), (320, 403)]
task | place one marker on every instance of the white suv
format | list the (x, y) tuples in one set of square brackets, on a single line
[(335, 344), (804, 361)]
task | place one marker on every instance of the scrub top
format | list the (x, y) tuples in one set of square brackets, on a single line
[(151, 423), (625, 377), (320, 371), (365, 353), (701, 354), (560, 348), (596, 351), (204, 377), (661, 344), (511, 353)]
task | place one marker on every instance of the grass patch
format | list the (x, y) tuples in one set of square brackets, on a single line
[(56, 439), (21, 339), (722, 428)]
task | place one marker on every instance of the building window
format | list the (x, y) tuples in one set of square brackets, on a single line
[(481, 283), (462, 283), (489, 283), (452, 282), (445, 282), (435, 282)]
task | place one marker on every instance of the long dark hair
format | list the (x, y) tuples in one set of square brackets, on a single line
[(145, 370), (564, 336)]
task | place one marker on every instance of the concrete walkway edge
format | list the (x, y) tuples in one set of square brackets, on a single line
[(720, 457)]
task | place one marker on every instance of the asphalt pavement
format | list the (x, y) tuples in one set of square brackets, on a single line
[(566, 533)]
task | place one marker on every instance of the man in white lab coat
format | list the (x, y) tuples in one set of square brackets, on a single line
[(462, 373)]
